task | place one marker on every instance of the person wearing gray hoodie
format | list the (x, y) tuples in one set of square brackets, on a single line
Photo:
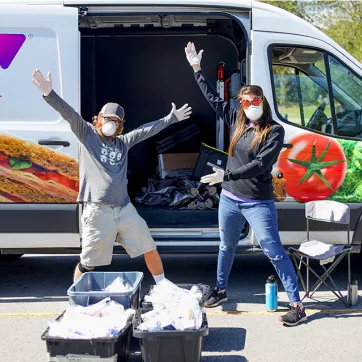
[(108, 214)]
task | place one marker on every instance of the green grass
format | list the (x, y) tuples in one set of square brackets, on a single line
[(292, 114)]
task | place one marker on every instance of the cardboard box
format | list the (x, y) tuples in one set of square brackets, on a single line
[(175, 161)]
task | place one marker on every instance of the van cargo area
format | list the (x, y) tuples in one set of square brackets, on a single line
[(139, 62)]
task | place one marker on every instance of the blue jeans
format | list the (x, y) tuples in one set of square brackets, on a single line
[(262, 217)]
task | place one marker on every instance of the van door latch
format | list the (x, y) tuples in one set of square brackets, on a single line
[(53, 143)]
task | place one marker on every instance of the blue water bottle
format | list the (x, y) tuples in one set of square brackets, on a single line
[(271, 294)]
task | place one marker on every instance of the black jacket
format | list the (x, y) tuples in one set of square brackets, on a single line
[(248, 172)]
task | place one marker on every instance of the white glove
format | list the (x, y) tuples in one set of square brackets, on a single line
[(181, 113), (44, 84), (192, 56), (214, 178)]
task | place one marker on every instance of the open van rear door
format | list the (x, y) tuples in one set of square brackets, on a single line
[(38, 151)]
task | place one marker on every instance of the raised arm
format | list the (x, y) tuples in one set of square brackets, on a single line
[(150, 129), (222, 108), (78, 125)]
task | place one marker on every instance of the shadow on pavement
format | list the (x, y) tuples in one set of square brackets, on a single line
[(223, 359), (224, 340), (234, 307), (218, 358), (34, 300), (322, 315)]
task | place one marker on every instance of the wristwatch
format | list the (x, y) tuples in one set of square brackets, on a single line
[(227, 176)]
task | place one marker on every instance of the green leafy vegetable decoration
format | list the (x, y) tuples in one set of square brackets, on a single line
[(357, 157), (351, 189), (19, 164), (315, 165)]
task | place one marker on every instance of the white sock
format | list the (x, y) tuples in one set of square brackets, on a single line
[(159, 277), (299, 304)]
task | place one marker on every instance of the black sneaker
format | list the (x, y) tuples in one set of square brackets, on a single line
[(215, 299), (294, 316)]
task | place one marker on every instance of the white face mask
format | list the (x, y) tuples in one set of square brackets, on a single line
[(109, 128), (254, 113)]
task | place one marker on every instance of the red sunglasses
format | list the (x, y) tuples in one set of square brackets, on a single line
[(255, 102)]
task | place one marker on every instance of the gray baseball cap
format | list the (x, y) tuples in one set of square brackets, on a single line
[(113, 110)]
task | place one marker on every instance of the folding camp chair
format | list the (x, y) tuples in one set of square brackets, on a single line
[(324, 211)]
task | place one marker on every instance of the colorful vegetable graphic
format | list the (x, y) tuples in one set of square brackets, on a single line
[(314, 168), (19, 164), (351, 189)]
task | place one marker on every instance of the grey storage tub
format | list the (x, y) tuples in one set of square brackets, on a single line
[(89, 288)]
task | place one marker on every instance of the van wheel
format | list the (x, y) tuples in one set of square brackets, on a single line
[(10, 257)]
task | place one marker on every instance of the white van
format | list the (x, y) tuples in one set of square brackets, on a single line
[(132, 52)]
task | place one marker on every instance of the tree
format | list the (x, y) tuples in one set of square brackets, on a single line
[(297, 7), (340, 20), (343, 23)]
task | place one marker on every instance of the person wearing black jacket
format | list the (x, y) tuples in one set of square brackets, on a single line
[(247, 191)]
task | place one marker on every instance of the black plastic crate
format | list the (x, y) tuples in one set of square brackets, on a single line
[(203, 287), (110, 349), (209, 157), (170, 346)]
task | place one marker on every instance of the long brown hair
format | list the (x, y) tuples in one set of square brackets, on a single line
[(263, 127)]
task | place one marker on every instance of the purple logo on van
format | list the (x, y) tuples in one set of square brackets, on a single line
[(10, 45)]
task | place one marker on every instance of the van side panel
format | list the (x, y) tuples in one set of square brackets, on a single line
[(301, 142), (38, 151)]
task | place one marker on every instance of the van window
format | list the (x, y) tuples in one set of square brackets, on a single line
[(348, 88), (302, 93), (20, 101)]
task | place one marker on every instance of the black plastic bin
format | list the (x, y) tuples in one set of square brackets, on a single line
[(203, 287), (110, 349), (170, 346), (209, 157)]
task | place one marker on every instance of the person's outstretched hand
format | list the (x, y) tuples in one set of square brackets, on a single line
[(182, 113), (192, 56), (44, 84), (214, 178)]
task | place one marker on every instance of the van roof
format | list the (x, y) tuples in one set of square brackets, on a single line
[(211, 3), (271, 18)]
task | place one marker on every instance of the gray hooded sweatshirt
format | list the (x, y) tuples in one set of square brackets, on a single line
[(103, 162)]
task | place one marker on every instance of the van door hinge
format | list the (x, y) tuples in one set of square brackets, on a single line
[(250, 48), (83, 12)]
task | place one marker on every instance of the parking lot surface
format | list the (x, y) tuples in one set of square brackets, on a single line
[(33, 292)]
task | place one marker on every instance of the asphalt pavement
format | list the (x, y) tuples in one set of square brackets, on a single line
[(33, 293)]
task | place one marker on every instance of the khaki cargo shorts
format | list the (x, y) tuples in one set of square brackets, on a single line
[(102, 225)]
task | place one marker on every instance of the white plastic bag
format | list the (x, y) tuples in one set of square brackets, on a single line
[(175, 308), (118, 286), (104, 319)]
